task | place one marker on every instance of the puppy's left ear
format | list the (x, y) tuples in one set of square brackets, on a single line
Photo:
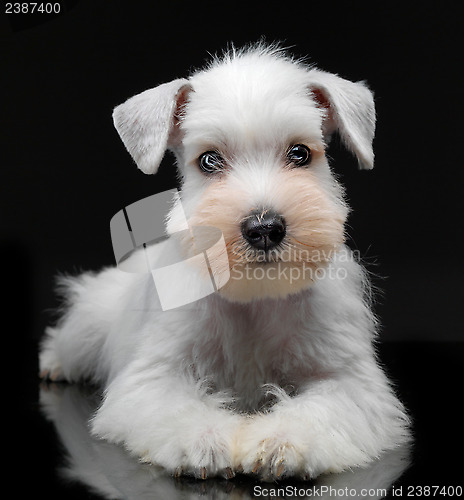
[(148, 123), (349, 109)]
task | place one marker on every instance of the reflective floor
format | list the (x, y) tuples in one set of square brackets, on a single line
[(66, 462)]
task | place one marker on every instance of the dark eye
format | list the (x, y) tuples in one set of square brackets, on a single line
[(299, 155), (211, 161)]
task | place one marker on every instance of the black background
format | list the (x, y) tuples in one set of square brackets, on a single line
[(65, 173)]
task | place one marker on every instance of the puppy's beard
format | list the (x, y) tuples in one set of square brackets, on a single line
[(314, 231)]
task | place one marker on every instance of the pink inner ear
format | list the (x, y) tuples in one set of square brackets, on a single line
[(181, 102), (320, 98), (175, 135)]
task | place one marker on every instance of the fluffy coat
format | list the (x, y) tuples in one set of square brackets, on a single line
[(275, 377)]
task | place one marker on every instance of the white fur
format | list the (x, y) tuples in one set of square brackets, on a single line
[(275, 386)]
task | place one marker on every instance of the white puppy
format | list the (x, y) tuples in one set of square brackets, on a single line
[(274, 374)]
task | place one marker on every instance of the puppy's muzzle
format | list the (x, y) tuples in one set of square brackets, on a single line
[(264, 229)]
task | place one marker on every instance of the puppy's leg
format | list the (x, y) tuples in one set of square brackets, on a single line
[(72, 350), (167, 419), (332, 426)]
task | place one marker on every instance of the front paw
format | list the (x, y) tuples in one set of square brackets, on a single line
[(185, 443), (281, 445), (202, 451), (270, 450), (275, 459)]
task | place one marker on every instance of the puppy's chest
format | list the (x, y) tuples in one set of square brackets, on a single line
[(242, 360)]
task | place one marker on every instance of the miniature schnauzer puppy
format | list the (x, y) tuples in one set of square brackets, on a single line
[(274, 374)]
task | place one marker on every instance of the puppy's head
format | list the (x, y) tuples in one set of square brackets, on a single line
[(249, 134)]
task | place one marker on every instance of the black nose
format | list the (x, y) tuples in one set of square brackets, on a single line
[(264, 229)]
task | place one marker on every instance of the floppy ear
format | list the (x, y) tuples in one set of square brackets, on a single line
[(350, 110), (148, 123)]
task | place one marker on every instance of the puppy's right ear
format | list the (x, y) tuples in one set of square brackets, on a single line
[(148, 123)]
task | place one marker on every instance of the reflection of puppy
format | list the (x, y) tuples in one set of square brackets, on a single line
[(274, 374)]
